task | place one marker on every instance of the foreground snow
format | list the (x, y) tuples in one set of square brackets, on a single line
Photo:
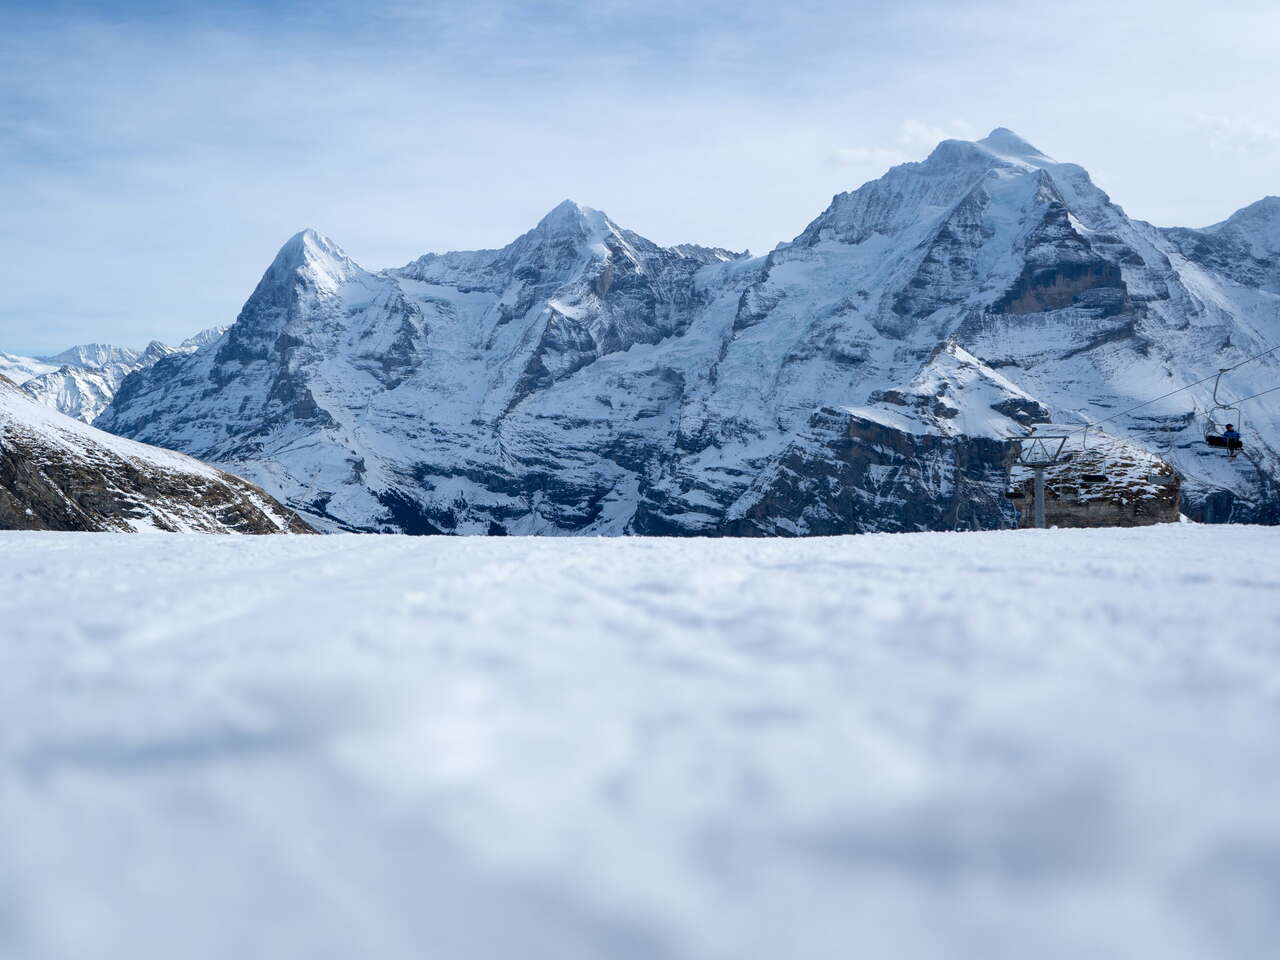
[(1019, 744)]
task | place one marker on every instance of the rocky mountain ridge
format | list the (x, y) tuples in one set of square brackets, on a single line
[(57, 473)]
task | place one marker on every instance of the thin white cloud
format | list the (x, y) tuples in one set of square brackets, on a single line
[(918, 135), (1238, 132), (878, 158)]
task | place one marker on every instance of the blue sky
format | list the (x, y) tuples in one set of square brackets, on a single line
[(153, 156)]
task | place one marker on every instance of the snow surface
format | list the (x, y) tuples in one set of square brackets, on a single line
[(1049, 744)]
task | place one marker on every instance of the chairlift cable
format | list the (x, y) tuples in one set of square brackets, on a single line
[(1260, 393), (1180, 389)]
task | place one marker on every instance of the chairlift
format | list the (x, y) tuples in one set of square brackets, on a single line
[(1222, 419)]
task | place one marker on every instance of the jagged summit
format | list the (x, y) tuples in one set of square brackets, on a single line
[(311, 253), (569, 233), (202, 338), (569, 214), (576, 223), (155, 350), (95, 355), (309, 244)]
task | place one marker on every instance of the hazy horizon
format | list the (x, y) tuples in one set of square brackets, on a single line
[(156, 156)]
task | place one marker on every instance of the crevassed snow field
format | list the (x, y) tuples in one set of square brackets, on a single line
[(1025, 744)]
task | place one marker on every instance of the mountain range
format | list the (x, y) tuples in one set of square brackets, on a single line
[(864, 376), (82, 380)]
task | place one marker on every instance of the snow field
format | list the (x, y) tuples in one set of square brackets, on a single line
[(1050, 744)]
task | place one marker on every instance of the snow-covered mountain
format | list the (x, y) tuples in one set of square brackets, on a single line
[(1244, 248), (57, 473), (862, 377), (198, 340), (81, 381)]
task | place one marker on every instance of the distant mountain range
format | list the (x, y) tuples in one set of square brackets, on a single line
[(864, 376), (82, 380)]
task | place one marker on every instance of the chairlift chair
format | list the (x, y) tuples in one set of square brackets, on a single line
[(1220, 416)]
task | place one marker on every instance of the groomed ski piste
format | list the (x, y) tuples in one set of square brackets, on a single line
[(1048, 744)]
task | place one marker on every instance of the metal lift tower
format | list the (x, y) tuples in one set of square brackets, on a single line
[(1039, 453)]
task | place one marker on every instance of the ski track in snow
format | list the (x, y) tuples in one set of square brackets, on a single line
[(1049, 744)]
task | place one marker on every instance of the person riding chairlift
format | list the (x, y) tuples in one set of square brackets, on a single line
[(1232, 436)]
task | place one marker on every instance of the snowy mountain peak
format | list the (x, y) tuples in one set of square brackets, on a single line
[(1001, 147), (1004, 142), (1264, 213), (203, 337), (155, 349), (315, 255), (570, 219), (569, 235), (95, 355), (1244, 247)]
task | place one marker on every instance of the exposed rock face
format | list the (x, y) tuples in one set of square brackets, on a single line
[(1040, 289), (1107, 483), (585, 380), (850, 474), (59, 474)]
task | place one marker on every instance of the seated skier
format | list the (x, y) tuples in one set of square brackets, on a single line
[(1232, 436)]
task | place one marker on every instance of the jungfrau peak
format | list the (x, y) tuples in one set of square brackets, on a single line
[(864, 376)]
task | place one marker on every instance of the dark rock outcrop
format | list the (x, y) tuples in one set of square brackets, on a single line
[(59, 474), (851, 474), (1103, 481)]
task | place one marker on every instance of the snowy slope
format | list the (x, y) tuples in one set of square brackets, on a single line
[(57, 473), (21, 369), (1049, 744), (585, 380)]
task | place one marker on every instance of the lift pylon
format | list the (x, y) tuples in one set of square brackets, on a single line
[(1039, 453)]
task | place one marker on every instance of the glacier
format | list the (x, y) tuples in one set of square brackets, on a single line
[(862, 377)]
